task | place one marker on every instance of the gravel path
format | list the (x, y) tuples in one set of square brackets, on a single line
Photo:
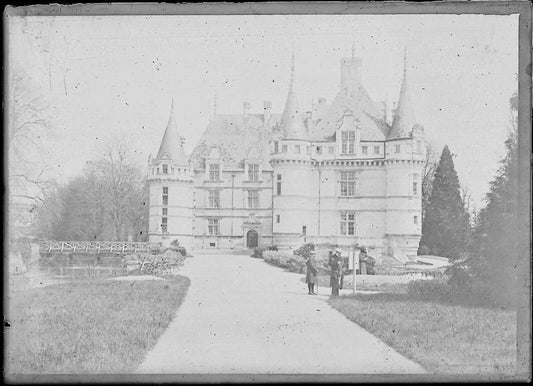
[(244, 316)]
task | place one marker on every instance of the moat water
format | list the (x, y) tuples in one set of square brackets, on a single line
[(78, 266)]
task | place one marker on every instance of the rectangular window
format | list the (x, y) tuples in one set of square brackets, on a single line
[(276, 147), (165, 169), (278, 185), (415, 220), (253, 199), (253, 172), (213, 226), (304, 229), (415, 188), (319, 150), (165, 195), (214, 172), (332, 150), (284, 148), (347, 180), (165, 211), (376, 149), (347, 223), (278, 218), (348, 142), (164, 228), (397, 148), (214, 198), (365, 149), (297, 149)]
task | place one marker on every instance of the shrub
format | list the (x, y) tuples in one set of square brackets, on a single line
[(258, 251), (434, 289), (305, 250), (175, 246), (147, 263), (423, 250), (285, 259)]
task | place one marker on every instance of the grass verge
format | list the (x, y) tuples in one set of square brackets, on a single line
[(89, 326), (323, 282), (444, 338)]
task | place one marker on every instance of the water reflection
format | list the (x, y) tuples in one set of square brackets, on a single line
[(79, 266)]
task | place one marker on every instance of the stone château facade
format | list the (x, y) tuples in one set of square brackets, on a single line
[(341, 174)]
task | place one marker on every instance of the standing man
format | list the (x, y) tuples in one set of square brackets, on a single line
[(335, 263), (310, 277)]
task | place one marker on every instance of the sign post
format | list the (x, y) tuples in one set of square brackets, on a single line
[(354, 286)]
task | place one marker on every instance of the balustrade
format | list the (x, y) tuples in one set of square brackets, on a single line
[(97, 247)]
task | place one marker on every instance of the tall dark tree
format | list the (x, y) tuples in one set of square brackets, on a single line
[(496, 247), (445, 225)]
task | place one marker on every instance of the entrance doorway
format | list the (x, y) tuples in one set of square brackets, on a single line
[(252, 239)]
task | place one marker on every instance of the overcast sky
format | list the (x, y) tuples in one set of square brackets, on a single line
[(107, 78)]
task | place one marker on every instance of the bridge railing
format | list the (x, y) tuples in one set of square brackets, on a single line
[(52, 246)]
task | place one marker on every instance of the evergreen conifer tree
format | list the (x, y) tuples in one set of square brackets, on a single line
[(495, 237), (445, 226)]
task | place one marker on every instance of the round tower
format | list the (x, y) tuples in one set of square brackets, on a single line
[(294, 197), (404, 159), (171, 190)]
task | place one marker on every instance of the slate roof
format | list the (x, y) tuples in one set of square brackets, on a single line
[(234, 135), (404, 117), (357, 101), (171, 146)]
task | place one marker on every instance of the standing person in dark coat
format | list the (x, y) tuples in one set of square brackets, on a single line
[(310, 277), (335, 262)]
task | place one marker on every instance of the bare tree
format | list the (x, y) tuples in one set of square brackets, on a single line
[(466, 197), (428, 172), (28, 124)]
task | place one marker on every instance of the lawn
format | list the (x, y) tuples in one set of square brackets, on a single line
[(362, 284), (88, 326), (444, 338)]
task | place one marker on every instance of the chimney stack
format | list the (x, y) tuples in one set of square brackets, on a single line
[(350, 72), (245, 108), (267, 111)]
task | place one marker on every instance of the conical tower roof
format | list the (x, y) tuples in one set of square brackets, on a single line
[(292, 121), (404, 117), (171, 146)]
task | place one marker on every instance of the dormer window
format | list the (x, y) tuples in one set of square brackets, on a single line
[(214, 172), (365, 149), (253, 172), (284, 148), (165, 169), (297, 149), (348, 142)]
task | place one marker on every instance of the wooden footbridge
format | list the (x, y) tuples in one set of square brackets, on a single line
[(97, 247)]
